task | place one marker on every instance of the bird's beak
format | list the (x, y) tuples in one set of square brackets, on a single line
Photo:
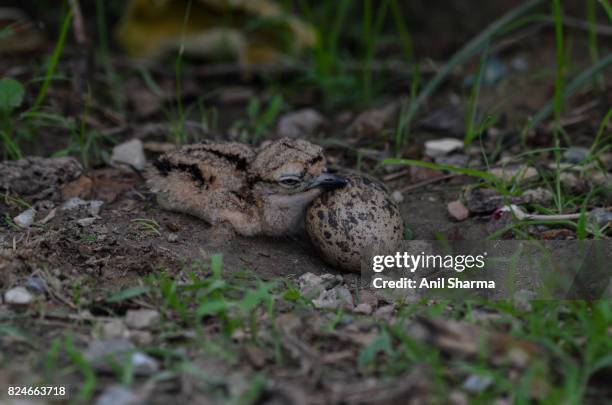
[(328, 181)]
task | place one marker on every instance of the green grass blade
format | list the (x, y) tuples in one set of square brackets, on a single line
[(582, 79), (436, 166), (55, 56), (600, 132), (128, 293), (402, 29), (561, 59), (88, 386), (581, 227), (591, 12), (606, 5), (470, 119), (467, 51)]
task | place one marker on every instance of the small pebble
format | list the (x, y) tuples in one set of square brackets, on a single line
[(310, 284), (25, 219), (172, 237), (569, 180), (367, 297), (442, 147), (576, 154), (85, 222), (36, 284), (114, 329), (477, 383), (600, 216), (456, 159), (103, 353), (130, 153), (520, 63), (537, 195), (384, 312), (73, 203), (94, 207), (118, 395), (363, 308), (141, 337), (18, 296), (300, 124), (520, 173), (142, 318), (397, 196), (522, 300), (335, 298), (458, 211), (144, 364)]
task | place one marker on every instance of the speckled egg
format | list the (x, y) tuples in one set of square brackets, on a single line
[(358, 219)]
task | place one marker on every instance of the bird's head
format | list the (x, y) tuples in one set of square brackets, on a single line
[(293, 167)]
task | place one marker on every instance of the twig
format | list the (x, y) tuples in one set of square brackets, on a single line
[(81, 65), (79, 27), (428, 182), (396, 175)]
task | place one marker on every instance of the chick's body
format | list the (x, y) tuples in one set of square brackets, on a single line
[(264, 193), (359, 219)]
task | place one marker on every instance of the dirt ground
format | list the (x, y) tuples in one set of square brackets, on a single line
[(251, 330)]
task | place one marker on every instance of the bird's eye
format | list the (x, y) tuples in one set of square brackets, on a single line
[(290, 182)]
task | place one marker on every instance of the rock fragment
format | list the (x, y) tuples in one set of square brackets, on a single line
[(85, 222), (576, 154), (537, 195), (129, 154), (335, 298), (18, 296), (312, 285), (102, 354), (477, 383), (442, 147), (363, 308), (73, 203), (142, 318), (118, 395), (300, 124), (114, 329), (397, 196), (521, 173), (25, 219), (458, 211), (373, 121)]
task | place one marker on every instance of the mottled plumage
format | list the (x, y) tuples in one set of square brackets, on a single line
[(264, 193)]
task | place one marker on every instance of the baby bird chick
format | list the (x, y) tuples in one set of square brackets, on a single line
[(264, 193)]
